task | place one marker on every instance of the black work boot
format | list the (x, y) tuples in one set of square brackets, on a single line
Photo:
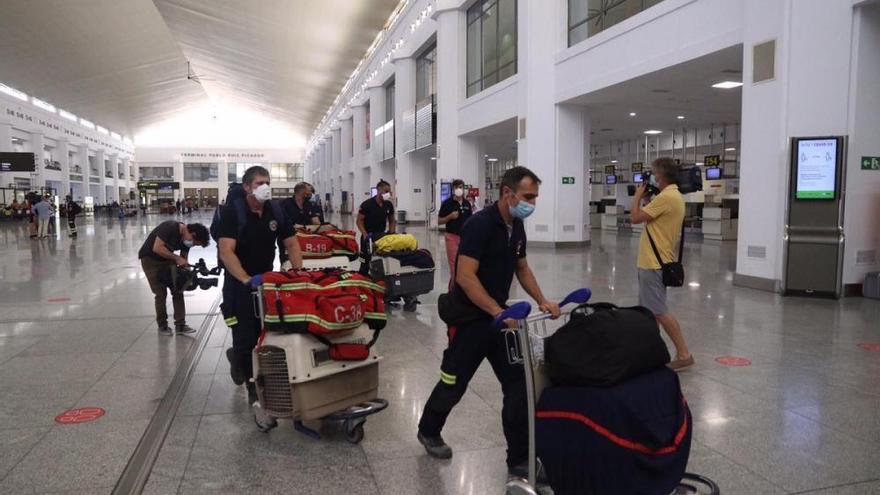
[(435, 446), (234, 370)]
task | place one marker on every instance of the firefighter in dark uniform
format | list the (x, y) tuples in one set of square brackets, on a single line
[(299, 208), (492, 251), (374, 216), (247, 252)]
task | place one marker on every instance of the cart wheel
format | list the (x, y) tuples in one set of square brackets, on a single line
[(354, 431), (410, 304)]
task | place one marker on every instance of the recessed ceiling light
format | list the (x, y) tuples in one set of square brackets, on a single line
[(613, 161), (491, 159), (632, 114), (680, 117), (729, 149), (727, 85), (653, 132)]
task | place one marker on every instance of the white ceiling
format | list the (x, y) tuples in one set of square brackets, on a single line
[(123, 63), (660, 97)]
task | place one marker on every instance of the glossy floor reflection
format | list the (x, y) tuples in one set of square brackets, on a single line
[(76, 330)]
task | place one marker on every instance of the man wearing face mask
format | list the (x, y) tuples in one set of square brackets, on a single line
[(247, 250), (492, 251), (454, 212), (299, 208), (376, 213), (157, 255)]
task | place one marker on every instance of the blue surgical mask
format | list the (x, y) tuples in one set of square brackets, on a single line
[(522, 210)]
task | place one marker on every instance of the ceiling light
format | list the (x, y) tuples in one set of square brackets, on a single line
[(727, 85), (86, 123), (613, 161), (67, 115), (653, 132), (680, 117), (44, 105), (632, 114), (729, 149), (13, 92), (103, 130), (491, 159)]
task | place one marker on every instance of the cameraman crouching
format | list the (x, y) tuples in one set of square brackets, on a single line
[(157, 255)]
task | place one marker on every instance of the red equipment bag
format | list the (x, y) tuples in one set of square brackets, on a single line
[(344, 241), (314, 246)]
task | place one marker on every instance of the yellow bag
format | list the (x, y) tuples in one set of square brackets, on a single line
[(396, 242)]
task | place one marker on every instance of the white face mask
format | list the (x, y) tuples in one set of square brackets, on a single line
[(386, 196), (188, 243), (459, 192), (263, 193)]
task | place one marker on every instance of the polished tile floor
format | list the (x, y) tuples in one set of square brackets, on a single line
[(76, 330)]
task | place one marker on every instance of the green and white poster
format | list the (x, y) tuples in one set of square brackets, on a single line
[(816, 168)]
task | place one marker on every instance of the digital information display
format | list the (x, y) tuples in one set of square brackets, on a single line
[(816, 169), (18, 162)]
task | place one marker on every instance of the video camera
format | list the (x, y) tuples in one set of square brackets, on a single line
[(180, 278), (689, 180)]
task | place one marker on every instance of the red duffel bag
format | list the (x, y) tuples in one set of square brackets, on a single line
[(314, 246)]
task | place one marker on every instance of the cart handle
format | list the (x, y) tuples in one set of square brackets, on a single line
[(521, 310)]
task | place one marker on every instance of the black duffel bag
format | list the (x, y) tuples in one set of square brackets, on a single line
[(603, 345)]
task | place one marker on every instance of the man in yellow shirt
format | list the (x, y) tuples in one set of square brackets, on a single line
[(663, 217)]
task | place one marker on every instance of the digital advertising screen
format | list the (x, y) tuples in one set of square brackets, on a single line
[(637, 177), (18, 162), (713, 173), (816, 169), (611, 179)]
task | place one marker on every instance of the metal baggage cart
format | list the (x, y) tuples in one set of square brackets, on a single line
[(525, 345), (287, 377)]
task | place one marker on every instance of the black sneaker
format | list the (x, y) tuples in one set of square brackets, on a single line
[(522, 471), (435, 446), (184, 328), (166, 330), (234, 370)]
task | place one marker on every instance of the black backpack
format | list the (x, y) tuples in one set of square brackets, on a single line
[(603, 345)]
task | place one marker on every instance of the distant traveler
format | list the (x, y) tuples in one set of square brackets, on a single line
[(42, 210), (315, 201), (454, 212), (72, 209), (376, 215), (492, 251), (157, 255), (299, 209), (664, 216), (247, 251)]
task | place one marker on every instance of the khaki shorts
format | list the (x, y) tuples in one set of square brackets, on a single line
[(652, 292)]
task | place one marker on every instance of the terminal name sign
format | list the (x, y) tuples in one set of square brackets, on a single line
[(816, 168), (157, 185)]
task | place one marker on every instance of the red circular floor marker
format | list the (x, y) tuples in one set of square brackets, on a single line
[(59, 299), (732, 361), (81, 415), (870, 346)]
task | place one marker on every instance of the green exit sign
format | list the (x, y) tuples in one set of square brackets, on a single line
[(871, 163), (568, 180)]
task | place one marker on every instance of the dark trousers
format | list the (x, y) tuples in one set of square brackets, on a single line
[(240, 316), (468, 346), (71, 225), (152, 268)]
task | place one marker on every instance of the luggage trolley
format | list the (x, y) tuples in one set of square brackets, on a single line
[(405, 282), (525, 345), (296, 379)]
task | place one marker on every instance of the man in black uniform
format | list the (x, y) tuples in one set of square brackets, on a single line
[(157, 255), (299, 208), (247, 251), (376, 213), (71, 209), (454, 212), (493, 249)]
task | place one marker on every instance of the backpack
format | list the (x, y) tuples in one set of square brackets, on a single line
[(235, 198), (603, 345)]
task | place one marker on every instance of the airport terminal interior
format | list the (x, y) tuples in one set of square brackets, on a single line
[(117, 116)]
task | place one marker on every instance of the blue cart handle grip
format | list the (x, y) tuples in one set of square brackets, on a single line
[(579, 296), (518, 311)]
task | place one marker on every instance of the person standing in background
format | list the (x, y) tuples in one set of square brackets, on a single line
[(454, 212), (42, 210), (72, 209)]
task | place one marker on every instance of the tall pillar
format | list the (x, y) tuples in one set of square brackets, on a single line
[(405, 100), (83, 154), (37, 144), (102, 191), (377, 120), (5, 146), (347, 150), (62, 151), (361, 186), (114, 168), (336, 167)]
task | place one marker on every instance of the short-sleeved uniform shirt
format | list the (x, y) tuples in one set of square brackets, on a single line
[(169, 232), (255, 248), (497, 246), (375, 215), (667, 212), (297, 215), (464, 212)]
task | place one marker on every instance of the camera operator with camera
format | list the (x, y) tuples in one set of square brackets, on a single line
[(663, 217), (158, 258)]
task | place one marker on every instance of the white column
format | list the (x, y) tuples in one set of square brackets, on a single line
[(377, 119), (114, 169), (336, 166), (64, 159), (39, 177), (83, 157), (346, 150), (361, 155), (178, 177), (102, 191), (451, 57), (405, 100), (773, 111)]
